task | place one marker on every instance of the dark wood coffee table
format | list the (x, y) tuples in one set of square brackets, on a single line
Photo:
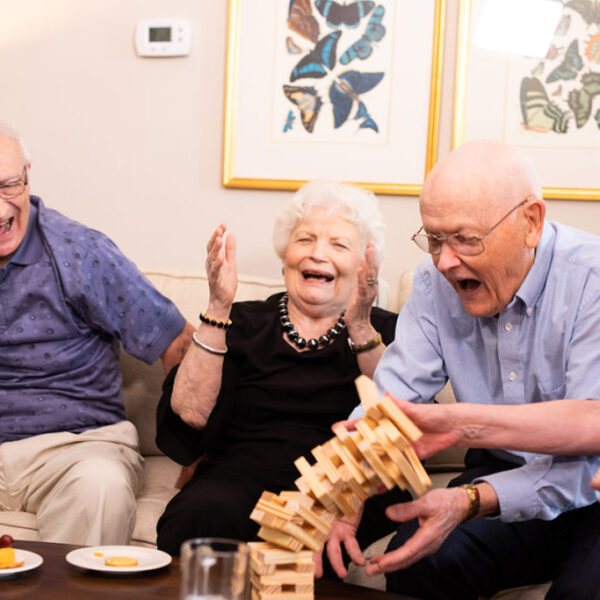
[(56, 579)]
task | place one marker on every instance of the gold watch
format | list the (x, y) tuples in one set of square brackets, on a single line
[(474, 501)]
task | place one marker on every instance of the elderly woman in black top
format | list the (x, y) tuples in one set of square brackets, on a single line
[(265, 380)]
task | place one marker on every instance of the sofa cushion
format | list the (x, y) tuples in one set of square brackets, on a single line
[(160, 474)]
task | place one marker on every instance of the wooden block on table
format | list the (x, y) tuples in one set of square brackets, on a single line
[(268, 554)]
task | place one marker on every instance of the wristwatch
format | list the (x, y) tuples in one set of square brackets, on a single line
[(474, 501)]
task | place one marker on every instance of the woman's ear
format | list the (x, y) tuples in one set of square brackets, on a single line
[(535, 211)]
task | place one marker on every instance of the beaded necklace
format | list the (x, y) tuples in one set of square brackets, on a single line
[(294, 336)]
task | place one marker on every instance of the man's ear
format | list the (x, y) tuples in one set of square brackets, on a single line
[(535, 211)]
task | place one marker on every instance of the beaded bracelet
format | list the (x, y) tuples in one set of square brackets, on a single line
[(215, 322), (358, 348), (205, 347)]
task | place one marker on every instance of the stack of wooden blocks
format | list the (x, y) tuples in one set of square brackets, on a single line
[(349, 468)]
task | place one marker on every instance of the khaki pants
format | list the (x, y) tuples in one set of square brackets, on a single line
[(81, 486)]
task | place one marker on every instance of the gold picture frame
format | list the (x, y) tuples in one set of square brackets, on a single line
[(493, 89), (257, 155)]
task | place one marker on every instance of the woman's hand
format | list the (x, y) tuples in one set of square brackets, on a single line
[(358, 311), (221, 271)]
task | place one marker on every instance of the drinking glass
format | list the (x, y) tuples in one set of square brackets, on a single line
[(214, 569)]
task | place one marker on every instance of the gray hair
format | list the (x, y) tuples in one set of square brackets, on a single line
[(7, 131), (352, 203)]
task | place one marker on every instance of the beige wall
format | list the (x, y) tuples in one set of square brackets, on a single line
[(133, 146)]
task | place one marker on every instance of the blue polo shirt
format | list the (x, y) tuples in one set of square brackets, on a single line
[(68, 298)]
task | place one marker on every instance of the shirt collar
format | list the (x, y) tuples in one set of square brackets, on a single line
[(534, 281), (30, 250)]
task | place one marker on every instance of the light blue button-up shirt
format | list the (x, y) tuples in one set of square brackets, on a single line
[(544, 345)]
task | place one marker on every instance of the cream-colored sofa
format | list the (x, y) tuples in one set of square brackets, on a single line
[(141, 391)]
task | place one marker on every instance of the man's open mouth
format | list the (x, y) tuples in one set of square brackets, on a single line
[(6, 225), (317, 275), (469, 285)]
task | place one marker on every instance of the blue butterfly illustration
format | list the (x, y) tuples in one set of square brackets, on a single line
[(347, 89), (374, 32), (314, 63), (368, 122), (570, 66), (289, 122), (337, 14), (308, 101)]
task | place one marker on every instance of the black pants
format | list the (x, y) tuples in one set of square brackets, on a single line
[(487, 555), (217, 502)]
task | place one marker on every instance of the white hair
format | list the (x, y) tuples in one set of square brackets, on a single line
[(356, 205), (7, 131)]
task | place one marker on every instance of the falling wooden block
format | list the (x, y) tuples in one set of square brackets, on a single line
[(387, 471), (369, 398), (322, 488), (348, 442)]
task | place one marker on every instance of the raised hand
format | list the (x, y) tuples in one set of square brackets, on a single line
[(363, 295), (221, 270)]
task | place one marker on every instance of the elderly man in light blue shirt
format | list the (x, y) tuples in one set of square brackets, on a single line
[(508, 309)]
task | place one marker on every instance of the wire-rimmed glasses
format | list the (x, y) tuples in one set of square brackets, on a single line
[(14, 187), (465, 244)]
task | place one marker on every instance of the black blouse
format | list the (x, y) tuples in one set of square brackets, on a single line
[(275, 403)]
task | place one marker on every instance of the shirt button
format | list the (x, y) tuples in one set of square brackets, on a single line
[(508, 326), (518, 516), (512, 377), (529, 310)]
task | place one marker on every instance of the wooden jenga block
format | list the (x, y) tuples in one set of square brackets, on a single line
[(278, 574), (299, 522), (402, 422), (350, 496), (419, 469), (345, 476), (348, 442), (307, 508), (386, 470), (279, 538), (321, 487), (369, 397)]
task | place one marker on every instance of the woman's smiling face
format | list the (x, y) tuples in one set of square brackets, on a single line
[(321, 262)]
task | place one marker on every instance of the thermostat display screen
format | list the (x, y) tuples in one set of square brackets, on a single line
[(163, 37), (160, 34)]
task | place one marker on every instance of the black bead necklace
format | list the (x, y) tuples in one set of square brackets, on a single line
[(294, 336)]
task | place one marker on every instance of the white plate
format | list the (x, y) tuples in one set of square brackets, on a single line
[(147, 558), (32, 561)]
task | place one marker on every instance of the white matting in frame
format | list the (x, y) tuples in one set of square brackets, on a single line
[(373, 80), (547, 107)]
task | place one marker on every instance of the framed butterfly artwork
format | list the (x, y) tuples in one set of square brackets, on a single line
[(332, 89), (548, 107)]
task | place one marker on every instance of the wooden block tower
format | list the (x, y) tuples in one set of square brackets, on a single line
[(348, 469)]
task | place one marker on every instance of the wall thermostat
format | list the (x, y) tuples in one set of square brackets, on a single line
[(163, 37)]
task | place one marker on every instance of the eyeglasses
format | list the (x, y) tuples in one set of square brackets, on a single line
[(467, 245), (15, 187)]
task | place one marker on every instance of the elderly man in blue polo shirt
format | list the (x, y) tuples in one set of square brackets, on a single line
[(68, 297), (508, 309)]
